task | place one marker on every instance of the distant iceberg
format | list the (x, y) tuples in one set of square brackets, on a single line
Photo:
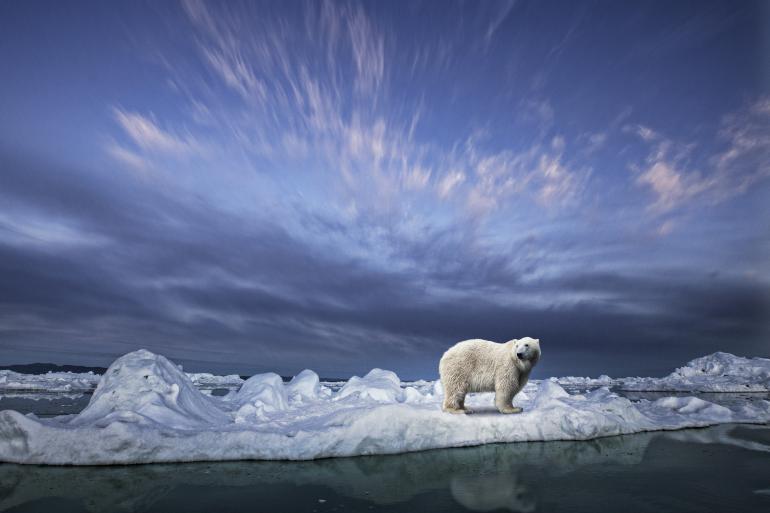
[(145, 409), (87, 381), (718, 372)]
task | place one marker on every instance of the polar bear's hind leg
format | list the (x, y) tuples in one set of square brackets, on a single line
[(454, 399)]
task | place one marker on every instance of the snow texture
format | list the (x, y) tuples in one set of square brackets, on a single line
[(145, 409)]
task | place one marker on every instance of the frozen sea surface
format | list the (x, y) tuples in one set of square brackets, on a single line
[(145, 409)]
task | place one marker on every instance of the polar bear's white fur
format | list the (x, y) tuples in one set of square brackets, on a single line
[(483, 366)]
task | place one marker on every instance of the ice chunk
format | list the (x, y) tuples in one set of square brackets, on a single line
[(206, 380), (49, 382), (305, 386), (718, 372), (264, 391), (145, 388), (549, 394), (694, 405), (87, 381), (378, 385), (413, 395)]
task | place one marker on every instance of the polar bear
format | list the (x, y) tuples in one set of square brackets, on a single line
[(483, 366)]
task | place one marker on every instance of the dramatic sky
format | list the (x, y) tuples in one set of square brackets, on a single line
[(341, 186)]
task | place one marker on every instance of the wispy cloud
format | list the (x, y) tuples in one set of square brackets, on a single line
[(504, 10), (672, 187), (448, 183), (127, 157), (368, 52), (668, 171), (540, 173), (746, 159), (146, 134)]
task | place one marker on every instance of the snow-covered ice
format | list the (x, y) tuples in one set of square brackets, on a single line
[(49, 382), (87, 381), (718, 372), (145, 409), (378, 385), (205, 380)]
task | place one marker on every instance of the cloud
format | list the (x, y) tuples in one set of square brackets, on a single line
[(236, 73), (350, 197), (368, 52), (449, 182), (745, 160), (146, 134), (280, 291), (671, 186), (128, 157), (503, 12), (540, 172), (726, 173)]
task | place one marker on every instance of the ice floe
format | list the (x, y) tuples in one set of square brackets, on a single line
[(718, 372), (86, 381), (145, 409), (49, 382)]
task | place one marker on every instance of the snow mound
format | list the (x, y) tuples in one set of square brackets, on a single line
[(305, 386), (266, 392), (378, 385), (694, 405), (549, 394), (145, 409), (147, 389)]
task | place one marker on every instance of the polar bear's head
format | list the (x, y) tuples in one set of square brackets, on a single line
[(527, 349)]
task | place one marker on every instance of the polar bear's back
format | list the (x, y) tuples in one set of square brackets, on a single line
[(474, 362)]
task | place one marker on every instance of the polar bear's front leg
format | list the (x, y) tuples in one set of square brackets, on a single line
[(504, 392)]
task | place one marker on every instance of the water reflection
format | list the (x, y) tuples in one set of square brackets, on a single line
[(44, 404), (657, 469), (489, 493), (664, 470), (479, 478), (746, 436)]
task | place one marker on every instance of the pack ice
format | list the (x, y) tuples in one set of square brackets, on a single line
[(145, 409)]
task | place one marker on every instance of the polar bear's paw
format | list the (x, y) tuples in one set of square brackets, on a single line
[(510, 409), (455, 410)]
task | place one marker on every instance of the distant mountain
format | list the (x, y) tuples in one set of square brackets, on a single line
[(42, 368)]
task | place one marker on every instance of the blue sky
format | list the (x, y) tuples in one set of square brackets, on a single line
[(272, 186)]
